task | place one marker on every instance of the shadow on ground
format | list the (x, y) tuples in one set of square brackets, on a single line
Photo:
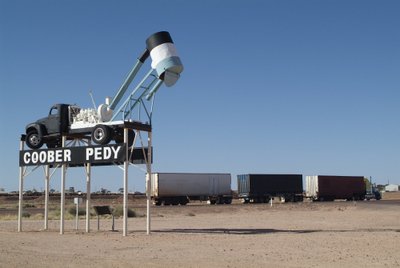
[(258, 231)]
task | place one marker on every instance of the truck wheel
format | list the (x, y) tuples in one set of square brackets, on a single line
[(33, 140), (119, 136), (101, 134)]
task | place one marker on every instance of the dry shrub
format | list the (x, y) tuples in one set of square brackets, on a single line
[(72, 211), (119, 212)]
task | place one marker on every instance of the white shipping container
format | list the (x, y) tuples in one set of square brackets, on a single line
[(311, 186), (190, 184)]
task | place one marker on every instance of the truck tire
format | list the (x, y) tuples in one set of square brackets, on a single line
[(101, 134), (119, 136), (33, 140)]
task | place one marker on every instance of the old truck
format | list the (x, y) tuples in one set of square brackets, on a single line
[(74, 122), (181, 188), (329, 188), (99, 124), (260, 188)]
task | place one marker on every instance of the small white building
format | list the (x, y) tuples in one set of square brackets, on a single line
[(391, 188)]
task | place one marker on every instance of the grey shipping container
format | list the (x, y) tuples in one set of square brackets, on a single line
[(180, 188), (260, 188), (327, 187)]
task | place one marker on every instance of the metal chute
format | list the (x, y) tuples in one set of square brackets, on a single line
[(166, 68)]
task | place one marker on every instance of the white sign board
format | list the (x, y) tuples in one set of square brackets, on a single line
[(77, 200)]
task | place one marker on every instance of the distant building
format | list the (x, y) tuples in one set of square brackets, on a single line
[(391, 188)]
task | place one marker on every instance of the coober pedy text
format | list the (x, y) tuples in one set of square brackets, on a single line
[(73, 155)]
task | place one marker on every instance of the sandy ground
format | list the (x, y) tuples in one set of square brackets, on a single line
[(334, 234)]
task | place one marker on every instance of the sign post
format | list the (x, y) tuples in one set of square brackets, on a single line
[(77, 201), (148, 184), (125, 204), (46, 197), (90, 156), (62, 202), (88, 174), (21, 188)]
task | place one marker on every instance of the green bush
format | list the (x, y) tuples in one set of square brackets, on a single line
[(26, 214), (56, 215), (38, 216), (72, 210), (119, 212)]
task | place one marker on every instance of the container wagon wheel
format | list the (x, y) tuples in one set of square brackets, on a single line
[(228, 201)]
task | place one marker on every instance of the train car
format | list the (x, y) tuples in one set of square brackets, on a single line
[(181, 188), (260, 188), (328, 188)]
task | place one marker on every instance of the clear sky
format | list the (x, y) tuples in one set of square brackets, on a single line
[(305, 87)]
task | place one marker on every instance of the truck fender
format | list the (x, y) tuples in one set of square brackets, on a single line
[(41, 130)]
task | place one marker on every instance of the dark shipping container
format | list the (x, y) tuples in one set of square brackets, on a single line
[(340, 187), (261, 188)]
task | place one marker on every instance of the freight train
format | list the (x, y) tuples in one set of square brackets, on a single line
[(215, 188)]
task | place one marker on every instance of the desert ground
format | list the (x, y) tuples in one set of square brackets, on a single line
[(308, 234)]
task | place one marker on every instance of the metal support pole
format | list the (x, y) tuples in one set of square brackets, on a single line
[(137, 101), (76, 215), (62, 205), (148, 183), (21, 187), (88, 174), (125, 85), (46, 197), (113, 225), (126, 165)]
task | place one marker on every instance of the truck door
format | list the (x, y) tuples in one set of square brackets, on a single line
[(53, 122)]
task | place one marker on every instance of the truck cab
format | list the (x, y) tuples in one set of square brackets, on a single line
[(48, 129), (374, 194)]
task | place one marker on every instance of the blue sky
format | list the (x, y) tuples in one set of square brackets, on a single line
[(309, 87)]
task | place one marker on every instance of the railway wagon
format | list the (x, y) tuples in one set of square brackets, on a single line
[(329, 188), (181, 188), (260, 188)]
